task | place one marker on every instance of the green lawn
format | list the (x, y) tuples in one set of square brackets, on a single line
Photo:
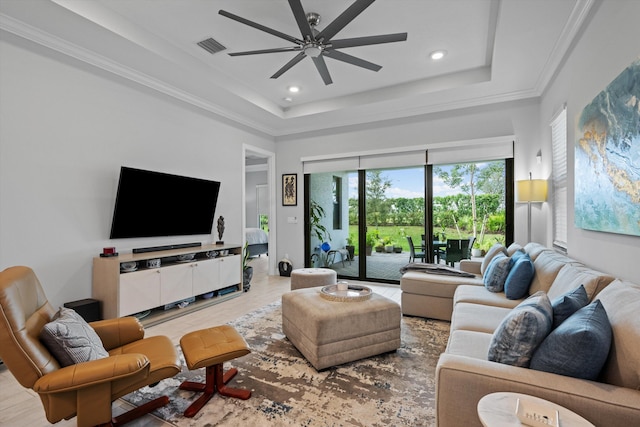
[(398, 234)]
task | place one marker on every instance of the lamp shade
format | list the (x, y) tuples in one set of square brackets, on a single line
[(531, 190)]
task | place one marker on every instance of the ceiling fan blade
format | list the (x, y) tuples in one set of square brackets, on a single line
[(364, 41), (345, 17), (256, 52), (301, 19), (260, 27), (299, 57), (322, 69), (349, 59)]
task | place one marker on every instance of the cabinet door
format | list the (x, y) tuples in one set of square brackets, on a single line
[(139, 291), (230, 273), (176, 283), (206, 276)]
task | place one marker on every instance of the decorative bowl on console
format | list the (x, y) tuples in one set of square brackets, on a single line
[(186, 257)]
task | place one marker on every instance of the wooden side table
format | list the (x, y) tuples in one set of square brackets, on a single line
[(499, 410)]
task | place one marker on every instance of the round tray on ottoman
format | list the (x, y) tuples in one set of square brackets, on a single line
[(353, 293)]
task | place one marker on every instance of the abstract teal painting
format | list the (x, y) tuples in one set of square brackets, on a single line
[(607, 158)]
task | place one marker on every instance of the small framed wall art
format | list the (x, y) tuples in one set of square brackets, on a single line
[(290, 189)]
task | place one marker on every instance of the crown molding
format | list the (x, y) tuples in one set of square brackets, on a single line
[(574, 24), (64, 47)]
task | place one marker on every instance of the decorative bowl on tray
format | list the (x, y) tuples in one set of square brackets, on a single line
[(349, 293)]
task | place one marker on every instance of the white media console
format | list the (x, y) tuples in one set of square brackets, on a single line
[(124, 293)]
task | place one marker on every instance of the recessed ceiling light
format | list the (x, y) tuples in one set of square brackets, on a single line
[(288, 99), (437, 54), (294, 89)]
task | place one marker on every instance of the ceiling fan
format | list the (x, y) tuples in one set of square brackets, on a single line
[(319, 44)]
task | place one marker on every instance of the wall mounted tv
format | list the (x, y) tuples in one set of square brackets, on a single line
[(151, 204)]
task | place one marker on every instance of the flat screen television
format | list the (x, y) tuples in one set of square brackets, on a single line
[(152, 204)]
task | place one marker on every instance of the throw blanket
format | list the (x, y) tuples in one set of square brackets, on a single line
[(434, 269)]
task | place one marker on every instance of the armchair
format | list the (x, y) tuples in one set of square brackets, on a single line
[(86, 389)]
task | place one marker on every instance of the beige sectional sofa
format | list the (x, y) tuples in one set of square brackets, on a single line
[(464, 375)]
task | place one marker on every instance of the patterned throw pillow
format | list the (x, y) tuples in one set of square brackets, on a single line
[(71, 339), (517, 283), (497, 272), (567, 304), (520, 333), (579, 347), (491, 253)]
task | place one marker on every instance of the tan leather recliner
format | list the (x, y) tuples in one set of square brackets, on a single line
[(84, 389)]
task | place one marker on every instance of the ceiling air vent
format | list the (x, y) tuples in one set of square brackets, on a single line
[(211, 46)]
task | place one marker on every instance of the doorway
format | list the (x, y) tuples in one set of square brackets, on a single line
[(257, 197)]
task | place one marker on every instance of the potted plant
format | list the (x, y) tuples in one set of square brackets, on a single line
[(369, 244), (247, 270), (350, 246), (316, 214), (475, 250), (388, 244)]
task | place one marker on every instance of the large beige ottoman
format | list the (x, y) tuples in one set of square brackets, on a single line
[(311, 277), (330, 333)]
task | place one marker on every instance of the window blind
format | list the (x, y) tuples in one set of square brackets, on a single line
[(559, 178)]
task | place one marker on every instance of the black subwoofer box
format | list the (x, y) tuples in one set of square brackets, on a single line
[(88, 309)]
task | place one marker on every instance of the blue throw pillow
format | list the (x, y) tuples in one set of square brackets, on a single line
[(567, 304), (520, 333), (517, 283), (496, 273), (579, 347)]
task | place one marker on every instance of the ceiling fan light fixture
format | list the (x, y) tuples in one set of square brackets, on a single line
[(437, 54), (313, 50)]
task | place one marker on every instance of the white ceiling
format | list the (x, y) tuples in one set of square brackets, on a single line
[(497, 50)]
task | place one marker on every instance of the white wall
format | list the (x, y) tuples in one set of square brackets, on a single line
[(514, 118), (65, 130), (607, 46), (251, 207)]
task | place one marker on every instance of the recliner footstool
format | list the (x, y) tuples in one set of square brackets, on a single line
[(209, 349), (330, 333)]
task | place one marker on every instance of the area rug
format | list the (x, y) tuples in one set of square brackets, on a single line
[(396, 388)]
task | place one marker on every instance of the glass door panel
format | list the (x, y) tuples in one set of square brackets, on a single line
[(333, 225), (394, 206), (468, 203)]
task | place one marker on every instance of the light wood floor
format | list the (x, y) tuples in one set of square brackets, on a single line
[(20, 407)]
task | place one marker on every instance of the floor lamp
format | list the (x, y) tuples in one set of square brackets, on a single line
[(531, 191)]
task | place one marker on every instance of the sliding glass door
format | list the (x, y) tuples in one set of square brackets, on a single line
[(366, 224)]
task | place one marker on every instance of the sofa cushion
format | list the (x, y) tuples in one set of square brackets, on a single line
[(567, 304), (478, 317), (547, 266), (535, 249), (621, 300), (571, 276), (578, 347), (439, 285), (469, 344), (479, 295), (518, 280), (520, 333), (491, 253), (497, 272), (513, 248), (71, 340)]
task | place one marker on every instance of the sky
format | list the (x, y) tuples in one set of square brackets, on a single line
[(407, 183)]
